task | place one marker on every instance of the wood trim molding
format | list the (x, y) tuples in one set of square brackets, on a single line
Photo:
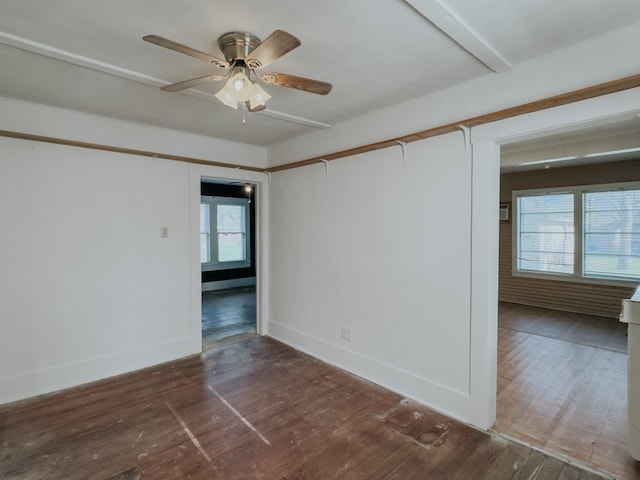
[(127, 151), (606, 88)]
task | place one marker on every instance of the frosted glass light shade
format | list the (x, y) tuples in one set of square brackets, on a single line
[(226, 97), (258, 96), (237, 89), (240, 89)]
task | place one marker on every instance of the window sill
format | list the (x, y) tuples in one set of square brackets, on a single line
[(224, 266), (613, 282)]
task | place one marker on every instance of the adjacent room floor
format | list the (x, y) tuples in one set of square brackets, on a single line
[(252, 409), (226, 313), (562, 385)]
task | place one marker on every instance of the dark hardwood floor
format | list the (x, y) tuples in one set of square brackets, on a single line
[(562, 386), (226, 313), (251, 409)]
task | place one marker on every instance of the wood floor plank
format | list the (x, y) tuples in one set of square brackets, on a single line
[(580, 412), (437, 443), (538, 466), (251, 409), (510, 462)]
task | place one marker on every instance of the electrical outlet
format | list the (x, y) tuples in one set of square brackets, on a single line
[(346, 334), (164, 232)]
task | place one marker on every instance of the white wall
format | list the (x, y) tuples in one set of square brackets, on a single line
[(380, 246), (28, 117), (424, 324), (88, 288)]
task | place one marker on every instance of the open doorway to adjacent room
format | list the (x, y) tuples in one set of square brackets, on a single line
[(228, 259), (569, 253)]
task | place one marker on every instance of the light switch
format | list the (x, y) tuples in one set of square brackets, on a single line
[(164, 232)]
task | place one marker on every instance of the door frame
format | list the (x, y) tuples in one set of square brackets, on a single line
[(197, 173), (486, 141)]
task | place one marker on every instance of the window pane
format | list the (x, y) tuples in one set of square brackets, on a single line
[(612, 233), (546, 233), (231, 233), (205, 233), (231, 247)]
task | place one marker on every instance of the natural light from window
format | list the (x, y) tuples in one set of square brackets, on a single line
[(546, 233), (205, 233), (612, 233), (224, 233), (231, 233), (580, 233)]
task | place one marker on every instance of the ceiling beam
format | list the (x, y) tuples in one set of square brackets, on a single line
[(80, 60), (460, 32), (110, 69)]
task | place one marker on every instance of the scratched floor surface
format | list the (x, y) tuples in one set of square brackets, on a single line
[(226, 313), (251, 409), (562, 386)]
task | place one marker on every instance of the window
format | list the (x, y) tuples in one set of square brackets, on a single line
[(546, 233), (231, 223), (612, 233), (224, 233), (579, 233), (205, 233)]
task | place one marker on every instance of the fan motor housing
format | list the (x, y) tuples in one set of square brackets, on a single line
[(237, 45)]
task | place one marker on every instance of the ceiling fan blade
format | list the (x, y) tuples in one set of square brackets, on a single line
[(301, 83), (257, 108), (273, 47), (174, 87), (192, 52)]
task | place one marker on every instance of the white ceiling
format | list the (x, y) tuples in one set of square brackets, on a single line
[(88, 55), (613, 141)]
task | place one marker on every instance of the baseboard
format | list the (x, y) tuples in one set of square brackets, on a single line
[(51, 379), (224, 284), (438, 397)]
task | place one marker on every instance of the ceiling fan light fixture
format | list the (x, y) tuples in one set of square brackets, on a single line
[(225, 95), (239, 88), (244, 53), (258, 96)]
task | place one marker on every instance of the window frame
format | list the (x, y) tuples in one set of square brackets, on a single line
[(214, 202), (578, 275)]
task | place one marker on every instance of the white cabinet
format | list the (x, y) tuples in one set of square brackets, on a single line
[(631, 315)]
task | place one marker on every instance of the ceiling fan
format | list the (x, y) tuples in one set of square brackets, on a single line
[(244, 55)]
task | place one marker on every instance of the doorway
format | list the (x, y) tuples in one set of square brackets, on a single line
[(561, 350), (228, 260)]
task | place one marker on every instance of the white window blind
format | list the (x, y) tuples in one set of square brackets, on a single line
[(205, 233), (612, 233), (545, 233), (588, 233), (224, 233), (231, 233)]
